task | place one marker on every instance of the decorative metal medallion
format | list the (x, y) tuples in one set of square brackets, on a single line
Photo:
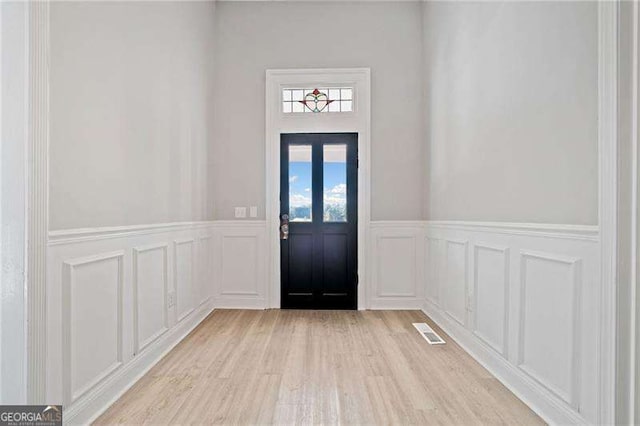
[(316, 101)]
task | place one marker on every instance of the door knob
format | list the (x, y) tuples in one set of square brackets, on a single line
[(284, 227)]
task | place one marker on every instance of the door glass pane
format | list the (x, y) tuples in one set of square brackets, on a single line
[(300, 183), (335, 183)]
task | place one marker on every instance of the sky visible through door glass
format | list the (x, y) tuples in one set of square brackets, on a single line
[(299, 191), (300, 183), (335, 183), (334, 191)]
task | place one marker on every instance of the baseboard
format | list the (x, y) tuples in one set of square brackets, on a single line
[(395, 303), (240, 303), (99, 399), (531, 393)]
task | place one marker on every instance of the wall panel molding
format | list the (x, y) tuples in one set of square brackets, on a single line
[(397, 267), (402, 252), (183, 277), (96, 401), (138, 252), (494, 316), (526, 389), (205, 268), (425, 258), (433, 262), (456, 291), (570, 393), (74, 305), (530, 301), (139, 268), (240, 269)]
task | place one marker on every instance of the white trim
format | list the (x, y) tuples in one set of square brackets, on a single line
[(70, 395), (98, 399), (607, 212), (204, 266), (517, 381), (239, 223), (572, 396), (635, 209), (240, 303), (2, 78), (38, 200), (465, 244), (396, 224), (177, 243), (570, 402), (115, 378), (77, 235), (139, 346), (506, 258), (278, 122), (550, 230)]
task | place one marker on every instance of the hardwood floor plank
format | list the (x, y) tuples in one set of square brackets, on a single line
[(316, 367)]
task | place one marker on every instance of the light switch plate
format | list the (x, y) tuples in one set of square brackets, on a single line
[(253, 211), (241, 212), (171, 299)]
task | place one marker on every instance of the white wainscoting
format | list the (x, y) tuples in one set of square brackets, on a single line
[(184, 265), (150, 292), (396, 266), (523, 300), (241, 267), (117, 300)]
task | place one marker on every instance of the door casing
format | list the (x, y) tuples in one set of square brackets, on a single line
[(277, 122)]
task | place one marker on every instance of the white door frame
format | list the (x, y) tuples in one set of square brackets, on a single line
[(38, 199), (277, 122), (607, 204)]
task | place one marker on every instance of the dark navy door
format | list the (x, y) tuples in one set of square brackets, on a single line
[(319, 220)]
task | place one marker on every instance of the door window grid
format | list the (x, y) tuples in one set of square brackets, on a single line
[(341, 97)]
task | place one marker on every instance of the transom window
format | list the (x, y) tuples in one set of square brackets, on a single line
[(318, 99)]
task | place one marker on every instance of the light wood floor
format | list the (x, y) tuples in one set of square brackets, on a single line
[(285, 367)]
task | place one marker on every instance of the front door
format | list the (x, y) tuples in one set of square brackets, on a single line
[(318, 218)]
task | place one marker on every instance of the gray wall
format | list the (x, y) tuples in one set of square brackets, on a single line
[(131, 108), (255, 36), (509, 131), (511, 114), (13, 136)]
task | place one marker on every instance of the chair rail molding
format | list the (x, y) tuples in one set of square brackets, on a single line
[(37, 198), (76, 235)]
